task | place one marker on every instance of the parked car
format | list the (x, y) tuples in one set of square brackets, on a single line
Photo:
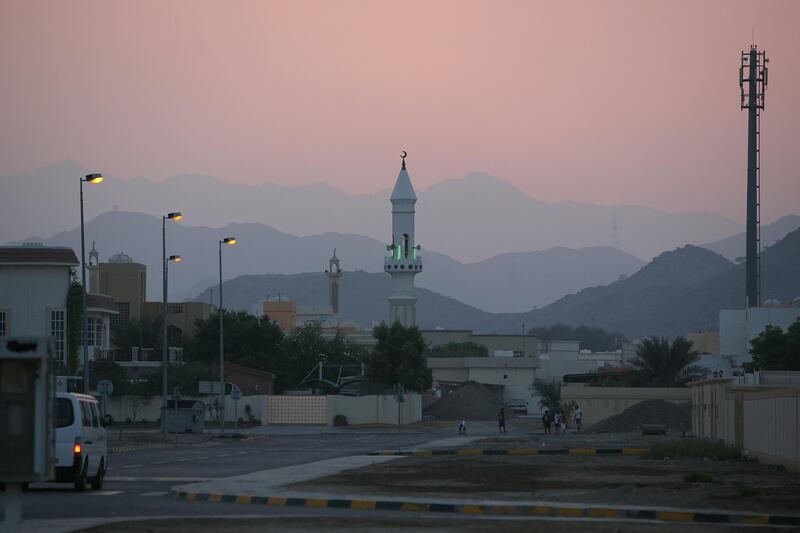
[(518, 407), (81, 447)]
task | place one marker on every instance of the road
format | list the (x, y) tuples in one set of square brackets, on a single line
[(138, 482)]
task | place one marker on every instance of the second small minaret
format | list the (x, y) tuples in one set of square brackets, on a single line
[(402, 261)]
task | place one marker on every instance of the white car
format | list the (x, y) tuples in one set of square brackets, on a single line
[(81, 447)]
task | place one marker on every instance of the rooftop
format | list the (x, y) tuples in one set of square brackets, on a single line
[(38, 255)]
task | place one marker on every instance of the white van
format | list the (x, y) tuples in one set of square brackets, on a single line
[(81, 447)]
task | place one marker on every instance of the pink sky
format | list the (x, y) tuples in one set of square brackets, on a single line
[(606, 102)]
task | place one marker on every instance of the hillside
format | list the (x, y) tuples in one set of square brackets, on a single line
[(363, 298), (511, 282), (679, 291), (733, 247)]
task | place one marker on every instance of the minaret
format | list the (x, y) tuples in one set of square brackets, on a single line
[(94, 270), (334, 273), (402, 261)]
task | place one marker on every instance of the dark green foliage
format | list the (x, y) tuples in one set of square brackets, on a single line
[(73, 326), (591, 338), (661, 364), (398, 358), (775, 350), (144, 333), (549, 390), (694, 448), (252, 341), (698, 477), (339, 420), (458, 349)]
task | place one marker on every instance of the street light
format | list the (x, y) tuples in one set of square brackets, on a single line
[(523, 339), (230, 241), (95, 179), (175, 217)]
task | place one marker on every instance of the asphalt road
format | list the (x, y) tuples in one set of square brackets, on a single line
[(138, 482)]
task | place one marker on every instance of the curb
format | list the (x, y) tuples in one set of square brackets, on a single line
[(549, 510), (517, 451), (157, 445)]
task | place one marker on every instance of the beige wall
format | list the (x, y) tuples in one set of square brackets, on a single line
[(126, 283), (761, 419), (598, 403), (181, 315), (375, 409)]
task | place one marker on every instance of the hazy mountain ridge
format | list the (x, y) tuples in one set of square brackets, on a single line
[(471, 219), (733, 247), (511, 282), (679, 291)]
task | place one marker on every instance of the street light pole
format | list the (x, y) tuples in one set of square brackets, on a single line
[(523, 339), (229, 241), (170, 216), (91, 178)]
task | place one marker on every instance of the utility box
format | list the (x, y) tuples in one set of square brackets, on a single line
[(26, 410), (188, 416)]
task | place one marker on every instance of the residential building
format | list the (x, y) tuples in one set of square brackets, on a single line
[(514, 374), (250, 380), (34, 282), (126, 282), (181, 318), (497, 345), (738, 327)]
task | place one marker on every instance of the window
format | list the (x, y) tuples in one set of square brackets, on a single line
[(94, 326), (519, 353), (124, 309), (65, 416), (96, 418), (174, 309), (86, 414), (3, 323), (57, 319)]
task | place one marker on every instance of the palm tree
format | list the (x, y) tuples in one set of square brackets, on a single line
[(661, 364), (549, 391)]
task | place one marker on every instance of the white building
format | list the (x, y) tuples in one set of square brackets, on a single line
[(403, 261), (34, 282), (515, 374), (737, 327)]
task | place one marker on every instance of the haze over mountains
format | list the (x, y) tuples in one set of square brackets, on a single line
[(470, 219), (679, 291), (509, 282), (733, 247)]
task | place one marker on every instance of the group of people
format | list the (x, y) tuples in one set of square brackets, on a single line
[(559, 420)]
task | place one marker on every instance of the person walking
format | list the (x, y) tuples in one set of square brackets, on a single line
[(501, 420), (578, 417), (557, 422), (563, 421), (462, 427), (546, 422)]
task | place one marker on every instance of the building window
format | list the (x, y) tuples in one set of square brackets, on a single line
[(95, 328), (174, 309), (57, 319), (124, 309), (3, 323), (519, 353)]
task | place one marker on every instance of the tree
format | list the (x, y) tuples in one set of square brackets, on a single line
[(661, 364), (549, 392), (775, 350), (458, 349), (251, 341), (398, 358), (143, 333)]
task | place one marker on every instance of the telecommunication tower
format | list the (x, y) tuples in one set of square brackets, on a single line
[(753, 84)]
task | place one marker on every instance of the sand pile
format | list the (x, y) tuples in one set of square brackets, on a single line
[(471, 401), (677, 416)]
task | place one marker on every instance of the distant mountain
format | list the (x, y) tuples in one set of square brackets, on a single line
[(734, 247), (470, 219), (511, 282), (363, 298)]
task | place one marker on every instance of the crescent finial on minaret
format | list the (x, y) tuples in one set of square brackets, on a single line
[(403, 157)]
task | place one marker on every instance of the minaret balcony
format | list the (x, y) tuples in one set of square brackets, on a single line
[(404, 264)]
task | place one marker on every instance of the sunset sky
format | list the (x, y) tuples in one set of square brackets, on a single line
[(633, 102)]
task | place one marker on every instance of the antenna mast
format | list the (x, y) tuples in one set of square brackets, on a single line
[(753, 84)]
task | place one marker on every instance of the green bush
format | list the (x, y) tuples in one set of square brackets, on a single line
[(694, 448), (698, 477), (339, 420)]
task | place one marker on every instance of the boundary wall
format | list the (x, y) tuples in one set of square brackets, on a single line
[(598, 403), (761, 419)]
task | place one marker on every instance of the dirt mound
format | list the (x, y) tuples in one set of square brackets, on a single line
[(676, 416), (471, 401)]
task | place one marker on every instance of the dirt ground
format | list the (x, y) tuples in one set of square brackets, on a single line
[(433, 524), (614, 480)]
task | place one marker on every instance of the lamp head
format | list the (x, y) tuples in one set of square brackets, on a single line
[(229, 240), (93, 178), (175, 258), (175, 216)]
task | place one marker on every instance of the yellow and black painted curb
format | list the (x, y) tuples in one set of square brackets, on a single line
[(559, 511), (516, 451)]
